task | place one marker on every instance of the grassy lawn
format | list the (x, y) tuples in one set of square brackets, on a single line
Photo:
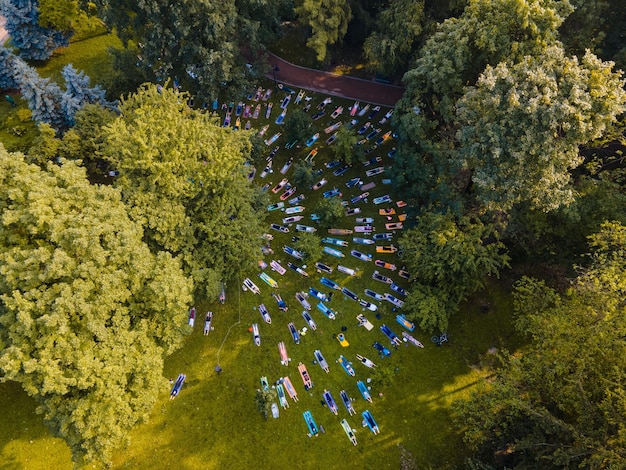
[(214, 424), (87, 53), (15, 134)]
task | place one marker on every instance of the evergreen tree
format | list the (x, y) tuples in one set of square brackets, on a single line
[(78, 93), (44, 97), (7, 81), (22, 23)]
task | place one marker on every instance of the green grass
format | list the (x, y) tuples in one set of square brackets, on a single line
[(87, 53), (214, 424), (16, 135)]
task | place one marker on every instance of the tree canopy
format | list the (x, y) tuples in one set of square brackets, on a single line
[(183, 178), (199, 43), (448, 260), (520, 127), (87, 311), (328, 20), (457, 114), (559, 404)]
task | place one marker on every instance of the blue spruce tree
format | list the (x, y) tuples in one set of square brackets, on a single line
[(44, 96), (6, 69), (33, 41), (78, 93)]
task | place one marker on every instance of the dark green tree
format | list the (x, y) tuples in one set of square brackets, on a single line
[(310, 246), (345, 148), (297, 125), (303, 174), (329, 210), (328, 20), (397, 29), (559, 403), (448, 260)]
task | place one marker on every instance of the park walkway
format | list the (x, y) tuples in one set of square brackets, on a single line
[(333, 84)]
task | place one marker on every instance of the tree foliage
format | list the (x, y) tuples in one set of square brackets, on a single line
[(560, 403), (303, 174), (200, 43), (328, 20), (297, 125), (87, 311), (498, 75), (78, 93), (182, 176), (520, 126), (44, 97), (329, 211), (32, 39), (397, 29), (310, 246), (345, 148), (448, 260)]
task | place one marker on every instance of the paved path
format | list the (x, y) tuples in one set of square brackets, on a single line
[(333, 84)]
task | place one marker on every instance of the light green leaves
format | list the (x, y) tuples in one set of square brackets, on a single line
[(87, 311)]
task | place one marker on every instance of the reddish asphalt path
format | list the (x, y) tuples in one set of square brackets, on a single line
[(333, 84)]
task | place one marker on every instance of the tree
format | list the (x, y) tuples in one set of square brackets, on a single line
[(87, 311), (328, 20), (33, 40), (264, 400), (447, 259), (520, 126), (303, 174), (6, 69), (329, 210), (78, 93), (310, 246), (42, 95), (297, 125), (205, 55), (398, 26), (182, 175), (488, 32), (559, 403), (345, 148)]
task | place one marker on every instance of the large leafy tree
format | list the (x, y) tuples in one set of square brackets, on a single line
[(87, 311), (560, 403), (474, 52), (182, 176), (198, 42), (448, 259), (397, 28), (328, 20), (520, 127)]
